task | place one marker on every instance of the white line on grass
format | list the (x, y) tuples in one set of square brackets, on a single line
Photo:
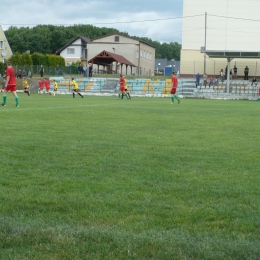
[(47, 108)]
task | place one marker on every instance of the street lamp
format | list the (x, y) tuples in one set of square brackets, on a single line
[(157, 67)]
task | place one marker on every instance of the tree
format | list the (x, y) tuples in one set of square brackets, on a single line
[(26, 59), (16, 59), (2, 68), (47, 39), (39, 59)]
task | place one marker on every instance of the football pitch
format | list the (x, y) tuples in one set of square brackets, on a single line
[(101, 178)]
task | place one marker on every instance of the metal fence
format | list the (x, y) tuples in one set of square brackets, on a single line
[(51, 71), (187, 87), (213, 67)]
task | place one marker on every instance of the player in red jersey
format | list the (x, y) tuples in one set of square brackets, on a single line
[(47, 85), (174, 87), (10, 84), (41, 86), (121, 90), (258, 94)]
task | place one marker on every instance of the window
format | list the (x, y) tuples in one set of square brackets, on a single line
[(150, 56), (69, 63), (116, 38), (137, 54), (1, 44), (70, 51), (141, 53)]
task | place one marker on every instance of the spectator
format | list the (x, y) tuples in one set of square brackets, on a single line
[(215, 81), (19, 74), (246, 72), (235, 71), (205, 80), (29, 74), (231, 75), (24, 74), (90, 68), (226, 72), (41, 71), (254, 82), (197, 80), (222, 75), (80, 69), (85, 70), (210, 81), (57, 70)]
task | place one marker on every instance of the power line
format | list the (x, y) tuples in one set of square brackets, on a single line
[(138, 21), (237, 18)]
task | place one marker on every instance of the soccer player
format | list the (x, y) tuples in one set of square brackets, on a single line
[(55, 87), (258, 94), (10, 84), (121, 90), (174, 88), (3, 85), (75, 88), (127, 92), (47, 85), (26, 86), (41, 86)]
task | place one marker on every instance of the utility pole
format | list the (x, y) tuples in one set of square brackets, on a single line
[(205, 42)]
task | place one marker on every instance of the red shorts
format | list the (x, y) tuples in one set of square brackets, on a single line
[(122, 89), (173, 90), (10, 88)]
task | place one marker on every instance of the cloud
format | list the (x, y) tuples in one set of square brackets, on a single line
[(101, 13)]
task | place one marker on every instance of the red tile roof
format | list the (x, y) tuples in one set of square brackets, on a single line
[(105, 58)]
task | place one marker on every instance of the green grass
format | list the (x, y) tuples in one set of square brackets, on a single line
[(101, 178)]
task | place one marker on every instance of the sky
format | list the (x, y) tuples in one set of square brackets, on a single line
[(158, 20)]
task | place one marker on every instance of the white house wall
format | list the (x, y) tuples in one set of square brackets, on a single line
[(5, 50), (231, 25), (77, 54), (111, 39)]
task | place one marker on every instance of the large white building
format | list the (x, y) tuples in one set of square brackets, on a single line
[(222, 26)]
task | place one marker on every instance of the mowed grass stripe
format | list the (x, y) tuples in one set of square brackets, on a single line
[(129, 179)]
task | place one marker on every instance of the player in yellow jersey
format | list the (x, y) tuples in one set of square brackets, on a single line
[(75, 88), (26, 86), (55, 87), (127, 91)]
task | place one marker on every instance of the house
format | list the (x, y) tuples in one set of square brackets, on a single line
[(5, 50), (75, 50), (137, 54)]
